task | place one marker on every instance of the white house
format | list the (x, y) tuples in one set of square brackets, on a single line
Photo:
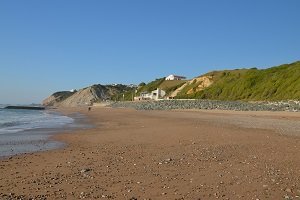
[(173, 77), (132, 86), (154, 95), (158, 94), (146, 95)]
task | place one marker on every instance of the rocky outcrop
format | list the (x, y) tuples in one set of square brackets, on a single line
[(56, 98), (202, 83), (85, 96), (194, 85)]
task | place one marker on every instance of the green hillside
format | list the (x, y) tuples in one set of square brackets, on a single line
[(276, 83), (168, 86)]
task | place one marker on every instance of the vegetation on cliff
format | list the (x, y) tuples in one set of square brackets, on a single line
[(166, 85), (276, 83)]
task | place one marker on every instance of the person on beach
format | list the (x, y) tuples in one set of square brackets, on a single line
[(89, 109)]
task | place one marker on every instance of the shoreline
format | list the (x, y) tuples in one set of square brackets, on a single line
[(39, 139), (162, 155)]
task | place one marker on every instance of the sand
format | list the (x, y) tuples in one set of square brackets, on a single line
[(132, 154)]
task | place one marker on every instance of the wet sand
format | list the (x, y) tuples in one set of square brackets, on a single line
[(164, 155)]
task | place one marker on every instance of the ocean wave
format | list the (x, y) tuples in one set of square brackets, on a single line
[(9, 124), (17, 121)]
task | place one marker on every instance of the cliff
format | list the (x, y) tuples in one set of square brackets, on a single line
[(85, 96), (272, 84)]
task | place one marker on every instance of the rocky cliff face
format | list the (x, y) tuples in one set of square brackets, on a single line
[(272, 84), (194, 85), (56, 98), (85, 96)]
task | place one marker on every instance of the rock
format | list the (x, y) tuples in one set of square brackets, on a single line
[(288, 190), (210, 105), (265, 186), (85, 170)]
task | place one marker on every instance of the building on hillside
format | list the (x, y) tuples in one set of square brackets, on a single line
[(158, 94), (173, 77), (132, 86), (146, 95), (154, 95)]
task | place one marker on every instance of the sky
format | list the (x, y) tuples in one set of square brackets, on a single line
[(54, 45)]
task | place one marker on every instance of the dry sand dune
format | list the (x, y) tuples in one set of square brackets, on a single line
[(165, 155)]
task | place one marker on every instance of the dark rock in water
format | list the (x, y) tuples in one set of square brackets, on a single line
[(25, 107)]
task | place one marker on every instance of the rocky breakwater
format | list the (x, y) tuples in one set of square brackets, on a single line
[(293, 106), (25, 107)]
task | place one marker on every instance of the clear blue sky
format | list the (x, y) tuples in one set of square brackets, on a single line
[(52, 45)]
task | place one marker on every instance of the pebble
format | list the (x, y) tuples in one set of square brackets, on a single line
[(288, 190), (85, 170)]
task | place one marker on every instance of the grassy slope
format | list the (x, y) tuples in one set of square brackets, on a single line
[(170, 86), (120, 90), (276, 83), (62, 95), (151, 86), (129, 93), (163, 84)]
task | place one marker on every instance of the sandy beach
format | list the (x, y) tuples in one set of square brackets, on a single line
[(131, 154)]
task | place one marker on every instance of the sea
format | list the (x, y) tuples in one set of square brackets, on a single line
[(26, 131)]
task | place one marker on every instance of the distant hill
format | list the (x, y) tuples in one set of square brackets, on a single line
[(272, 84), (88, 95), (275, 83)]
